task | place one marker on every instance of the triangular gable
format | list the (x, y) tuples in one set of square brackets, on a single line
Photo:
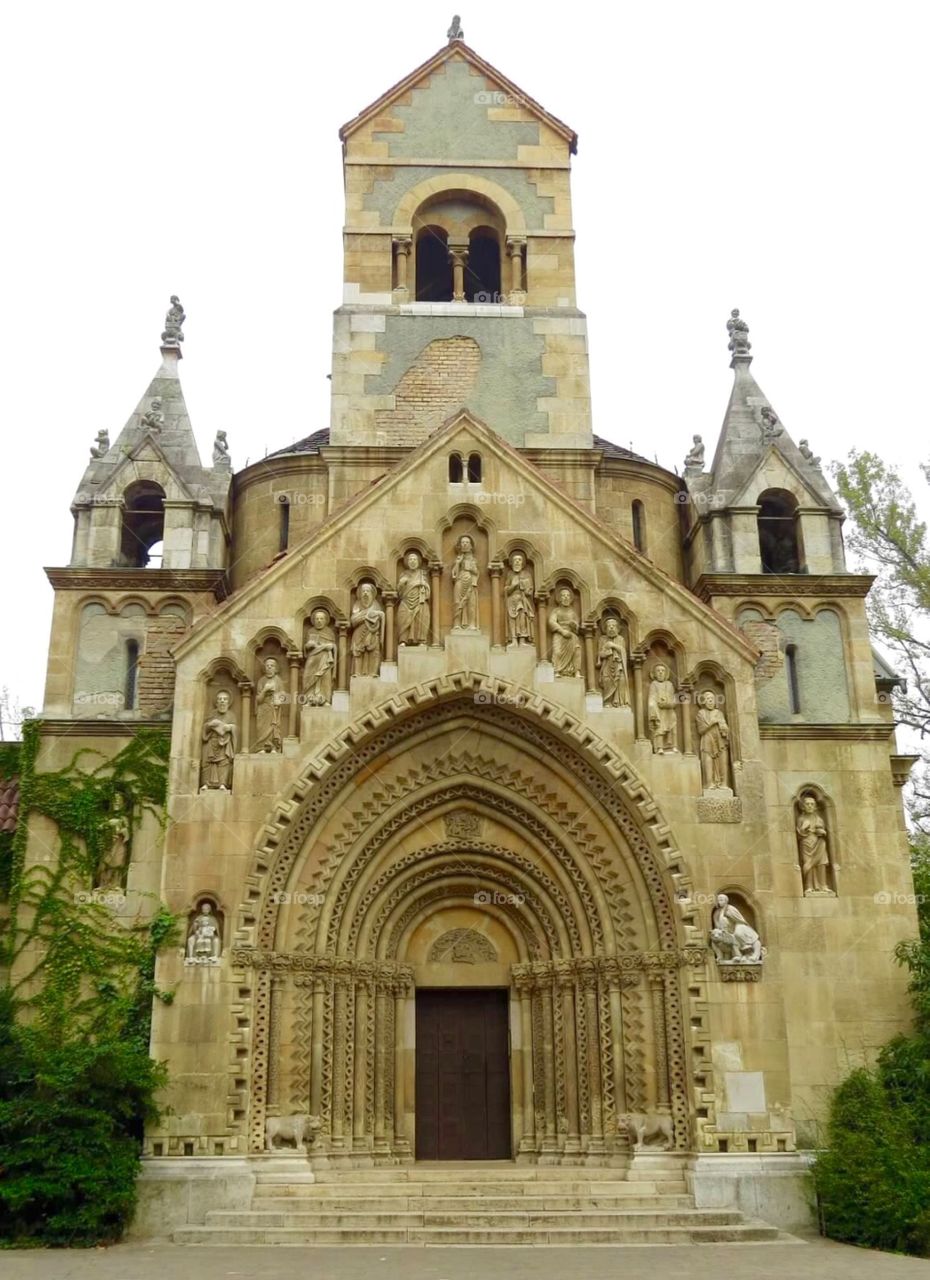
[(487, 439), (458, 49), (753, 485), (146, 450)]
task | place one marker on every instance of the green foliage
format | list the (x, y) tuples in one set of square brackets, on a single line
[(891, 541), (76, 1080)]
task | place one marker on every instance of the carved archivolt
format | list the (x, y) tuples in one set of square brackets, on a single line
[(599, 999)]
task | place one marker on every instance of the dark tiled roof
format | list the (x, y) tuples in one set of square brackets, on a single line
[(9, 803), (313, 443)]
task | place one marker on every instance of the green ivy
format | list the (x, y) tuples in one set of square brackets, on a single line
[(77, 1084)]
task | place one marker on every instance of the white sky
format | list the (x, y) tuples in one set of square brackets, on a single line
[(770, 156)]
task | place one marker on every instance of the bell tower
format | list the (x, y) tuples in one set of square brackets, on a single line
[(459, 279)]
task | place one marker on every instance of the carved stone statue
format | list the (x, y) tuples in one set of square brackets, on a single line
[(320, 655), (808, 454), (612, 676), (270, 699), (518, 593), (413, 592), (713, 742), (694, 461), (221, 450), (219, 736), (204, 943), (564, 628), (662, 710), (367, 625), (465, 586), (732, 939), (153, 418), (114, 865), (173, 336), (738, 330), (102, 447), (455, 32), (771, 427), (299, 1129), (813, 848)]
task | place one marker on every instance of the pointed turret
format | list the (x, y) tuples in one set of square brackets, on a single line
[(153, 470)]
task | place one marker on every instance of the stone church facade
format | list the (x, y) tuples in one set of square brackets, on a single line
[(518, 785)]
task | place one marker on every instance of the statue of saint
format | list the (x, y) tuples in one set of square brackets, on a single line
[(732, 939), (413, 592), (102, 447), (173, 335), (812, 847), (612, 666), (221, 450), (455, 32), (662, 710), (270, 698), (694, 461), (564, 628), (367, 625), (203, 938), (219, 736), (320, 655), (465, 586), (738, 330), (713, 742), (518, 593), (114, 866)]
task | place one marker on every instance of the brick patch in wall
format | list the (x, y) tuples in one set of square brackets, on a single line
[(438, 381)]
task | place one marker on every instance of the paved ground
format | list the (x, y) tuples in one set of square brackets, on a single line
[(816, 1260)]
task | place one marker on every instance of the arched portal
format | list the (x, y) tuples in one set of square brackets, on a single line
[(464, 845)]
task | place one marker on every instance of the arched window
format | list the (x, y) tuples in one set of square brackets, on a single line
[(474, 468), (483, 272), (433, 268), (456, 471), (639, 525), (779, 544), (284, 521), (143, 524), (794, 686), (130, 683)]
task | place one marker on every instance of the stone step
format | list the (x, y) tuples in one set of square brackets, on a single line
[(466, 1235), (408, 1190), (479, 1217), (466, 1204), (657, 1169)]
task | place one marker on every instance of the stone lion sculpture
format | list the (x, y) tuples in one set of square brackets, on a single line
[(296, 1129), (648, 1129)]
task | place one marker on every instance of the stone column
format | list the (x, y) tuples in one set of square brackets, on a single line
[(435, 573), (245, 714), (458, 256), (515, 245), (498, 639), (595, 1087), (316, 1045), (525, 989), (362, 1065), (542, 626), (657, 991), (549, 1140), (381, 1020), (342, 658), (293, 711), (401, 996), (686, 702), (590, 670), (390, 645), (401, 253), (639, 714), (340, 1015), (567, 994)]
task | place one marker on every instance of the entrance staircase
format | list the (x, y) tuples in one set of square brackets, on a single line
[(476, 1204)]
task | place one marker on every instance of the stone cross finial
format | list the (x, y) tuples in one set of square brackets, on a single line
[(739, 335), (173, 336), (455, 32)]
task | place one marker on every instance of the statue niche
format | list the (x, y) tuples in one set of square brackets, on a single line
[(662, 708), (465, 577), (366, 625), (814, 846), (204, 934), (113, 868), (713, 737), (612, 663), (565, 630), (271, 698), (319, 659), (219, 738), (733, 940), (413, 601), (518, 596)]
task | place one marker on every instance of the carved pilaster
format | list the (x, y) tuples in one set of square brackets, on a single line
[(435, 573), (390, 639), (293, 709), (496, 569), (657, 991), (245, 714), (639, 717), (342, 656)]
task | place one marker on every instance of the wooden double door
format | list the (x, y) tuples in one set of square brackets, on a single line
[(462, 1075)]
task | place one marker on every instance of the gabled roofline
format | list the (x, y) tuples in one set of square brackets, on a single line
[(451, 50), (347, 511)]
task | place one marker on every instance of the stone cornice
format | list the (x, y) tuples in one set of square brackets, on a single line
[(826, 732), (187, 581), (711, 585), (63, 728)]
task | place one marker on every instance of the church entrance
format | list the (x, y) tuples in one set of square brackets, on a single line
[(462, 1075)]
